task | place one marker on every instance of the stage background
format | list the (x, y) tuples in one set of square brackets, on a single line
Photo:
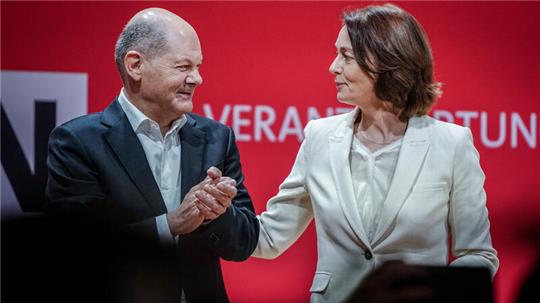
[(265, 73)]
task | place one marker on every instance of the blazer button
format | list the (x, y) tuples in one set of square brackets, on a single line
[(368, 255)]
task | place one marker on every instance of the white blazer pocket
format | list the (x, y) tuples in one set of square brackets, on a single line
[(429, 186), (320, 282)]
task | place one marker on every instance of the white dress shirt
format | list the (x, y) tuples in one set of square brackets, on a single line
[(372, 175), (163, 154)]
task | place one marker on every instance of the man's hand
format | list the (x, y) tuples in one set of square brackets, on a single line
[(187, 217), (205, 201), (215, 197)]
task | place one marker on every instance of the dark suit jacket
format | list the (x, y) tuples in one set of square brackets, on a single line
[(99, 177)]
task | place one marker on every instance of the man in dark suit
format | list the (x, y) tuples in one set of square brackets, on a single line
[(155, 192)]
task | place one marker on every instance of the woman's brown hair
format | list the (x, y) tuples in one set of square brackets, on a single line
[(392, 47)]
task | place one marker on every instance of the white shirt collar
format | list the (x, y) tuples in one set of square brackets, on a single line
[(138, 119)]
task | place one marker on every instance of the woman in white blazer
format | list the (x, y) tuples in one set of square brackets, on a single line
[(385, 181)]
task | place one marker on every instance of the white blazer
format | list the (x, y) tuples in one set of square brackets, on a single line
[(436, 192)]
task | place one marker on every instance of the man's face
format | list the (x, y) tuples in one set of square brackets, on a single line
[(169, 80)]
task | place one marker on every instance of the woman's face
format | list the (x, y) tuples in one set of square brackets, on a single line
[(354, 86)]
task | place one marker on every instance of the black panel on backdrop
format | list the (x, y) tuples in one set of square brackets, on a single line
[(28, 186)]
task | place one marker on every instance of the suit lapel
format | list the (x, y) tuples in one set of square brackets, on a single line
[(193, 145), (128, 149), (340, 147), (410, 161)]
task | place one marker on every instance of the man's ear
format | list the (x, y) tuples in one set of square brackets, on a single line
[(133, 62)]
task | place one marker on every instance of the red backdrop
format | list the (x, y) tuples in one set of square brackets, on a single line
[(277, 54)]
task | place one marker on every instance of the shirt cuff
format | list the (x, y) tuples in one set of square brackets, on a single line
[(164, 232)]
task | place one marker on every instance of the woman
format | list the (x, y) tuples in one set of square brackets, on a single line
[(385, 181)]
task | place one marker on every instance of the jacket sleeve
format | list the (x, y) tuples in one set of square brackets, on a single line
[(73, 189), (233, 235), (75, 194), (468, 215), (288, 213)]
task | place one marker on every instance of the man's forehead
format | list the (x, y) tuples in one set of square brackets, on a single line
[(183, 35), (184, 55), (182, 30), (193, 57)]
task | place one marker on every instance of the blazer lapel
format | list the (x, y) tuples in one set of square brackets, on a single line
[(410, 161), (340, 146), (193, 144), (128, 149)]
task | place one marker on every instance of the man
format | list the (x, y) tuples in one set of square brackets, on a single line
[(138, 170)]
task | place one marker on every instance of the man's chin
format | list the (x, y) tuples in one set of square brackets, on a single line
[(183, 106)]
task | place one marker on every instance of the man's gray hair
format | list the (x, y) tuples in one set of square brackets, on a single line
[(148, 38)]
